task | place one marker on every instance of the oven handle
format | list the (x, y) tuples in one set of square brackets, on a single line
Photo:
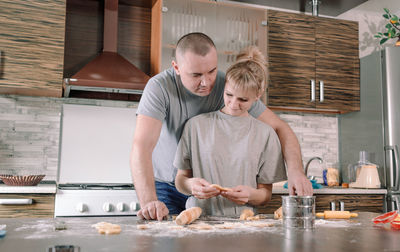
[(16, 201)]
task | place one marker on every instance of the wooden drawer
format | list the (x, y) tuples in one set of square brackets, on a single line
[(42, 206), (352, 202)]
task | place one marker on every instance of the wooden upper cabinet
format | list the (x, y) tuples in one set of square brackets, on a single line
[(291, 59), (338, 64), (313, 63), (32, 47)]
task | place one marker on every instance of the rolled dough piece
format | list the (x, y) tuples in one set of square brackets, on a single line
[(107, 228), (278, 213), (253, 218), (110, 231), (222, 189), (142, 226), (188, 216), (259, 224), (226, 226), (246, 213)]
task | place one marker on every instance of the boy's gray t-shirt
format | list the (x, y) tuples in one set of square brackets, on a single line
[(229, 151), (166, 99)]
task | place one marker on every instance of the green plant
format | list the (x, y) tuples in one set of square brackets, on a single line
[(392, 27)]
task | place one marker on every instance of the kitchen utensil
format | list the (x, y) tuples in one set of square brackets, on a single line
[(26, 180), (368, 177), (298, 211), (336, 215)]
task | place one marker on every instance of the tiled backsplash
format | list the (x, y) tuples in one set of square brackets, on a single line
[(30, 128), (318, 136), (30, 131)]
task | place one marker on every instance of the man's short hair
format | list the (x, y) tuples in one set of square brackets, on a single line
[(196, 42)]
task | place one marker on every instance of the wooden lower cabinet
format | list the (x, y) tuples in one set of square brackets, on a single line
[(42, 206), (352, 202)]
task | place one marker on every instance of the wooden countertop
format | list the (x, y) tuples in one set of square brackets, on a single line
[(278, 189), (51, 188)]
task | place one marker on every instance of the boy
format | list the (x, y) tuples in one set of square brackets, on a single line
[(231, 148)]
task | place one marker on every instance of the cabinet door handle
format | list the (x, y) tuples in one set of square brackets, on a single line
[(16, 201), (2, 62), (321, 91), (312, 91)]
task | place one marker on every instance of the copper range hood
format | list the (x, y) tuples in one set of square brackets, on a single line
[(108, 72)]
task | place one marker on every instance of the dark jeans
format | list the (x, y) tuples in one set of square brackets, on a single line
[(174, 200)]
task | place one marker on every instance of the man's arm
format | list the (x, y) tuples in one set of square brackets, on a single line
[(145, 139), (297, 181)]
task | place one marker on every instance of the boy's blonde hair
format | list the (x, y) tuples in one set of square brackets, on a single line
[(249, 72)]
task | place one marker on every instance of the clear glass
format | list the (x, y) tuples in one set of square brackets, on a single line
[(332, 174)]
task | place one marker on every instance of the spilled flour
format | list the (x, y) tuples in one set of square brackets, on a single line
[(47, 228), (336, 223), (169, 228)]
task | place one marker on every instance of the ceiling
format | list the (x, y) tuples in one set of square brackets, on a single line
[(331, 8)]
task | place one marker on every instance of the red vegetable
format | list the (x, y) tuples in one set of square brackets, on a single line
[(385, 218), (395, 224)]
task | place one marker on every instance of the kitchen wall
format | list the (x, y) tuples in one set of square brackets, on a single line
[(30, 128), (370, 20), (30, 132)]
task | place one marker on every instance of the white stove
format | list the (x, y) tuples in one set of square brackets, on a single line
[(94, 177)]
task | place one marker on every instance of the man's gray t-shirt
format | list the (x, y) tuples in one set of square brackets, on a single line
[(229, 151), (166, 99)]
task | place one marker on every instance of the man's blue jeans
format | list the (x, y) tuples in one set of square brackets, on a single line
[(174, 200)]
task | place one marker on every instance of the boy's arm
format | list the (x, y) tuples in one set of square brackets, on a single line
[(198, 187), (183, 182), (261, 195), (248, 195)]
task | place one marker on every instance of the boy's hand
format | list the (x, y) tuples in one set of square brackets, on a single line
[(239, 194), (201, 189)]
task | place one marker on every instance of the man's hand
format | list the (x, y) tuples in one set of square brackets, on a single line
[(240, 194), (201, 189), (153, 210), (299, 184)]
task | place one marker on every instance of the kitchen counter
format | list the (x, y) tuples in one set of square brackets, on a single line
[(45, 188), (357, 234), (334, 190)]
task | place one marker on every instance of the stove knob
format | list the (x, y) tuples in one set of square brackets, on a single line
[(121, 207), (81, 207), (135, 206), (107, 207)]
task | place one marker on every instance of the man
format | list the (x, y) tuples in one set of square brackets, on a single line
[(191, 87)]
